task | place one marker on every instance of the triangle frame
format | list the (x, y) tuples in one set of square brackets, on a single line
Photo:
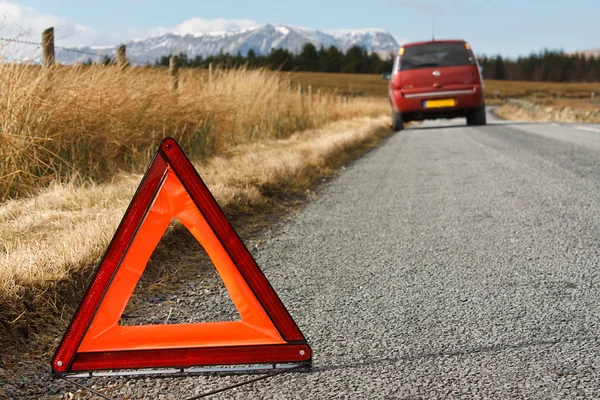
[(82, 348)]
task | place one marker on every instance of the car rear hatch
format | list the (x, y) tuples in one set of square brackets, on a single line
[(438, 69)]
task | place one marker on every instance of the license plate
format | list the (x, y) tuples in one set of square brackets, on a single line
[(440, 103)]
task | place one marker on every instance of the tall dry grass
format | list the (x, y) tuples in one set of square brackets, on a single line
[(73, 141), (89, 122), (49, 243)]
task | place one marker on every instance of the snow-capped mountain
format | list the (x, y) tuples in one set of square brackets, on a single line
[(262, 40), (373, 40)]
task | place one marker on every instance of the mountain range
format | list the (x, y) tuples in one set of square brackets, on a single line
[(261, 40)]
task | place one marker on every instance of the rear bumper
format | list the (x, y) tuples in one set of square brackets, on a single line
[(412, 104)]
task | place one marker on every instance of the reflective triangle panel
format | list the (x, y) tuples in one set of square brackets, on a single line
[(265, 333)]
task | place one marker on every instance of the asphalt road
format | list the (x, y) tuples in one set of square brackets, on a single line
[(450, 262)]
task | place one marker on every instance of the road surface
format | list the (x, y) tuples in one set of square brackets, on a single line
[(450, 262)]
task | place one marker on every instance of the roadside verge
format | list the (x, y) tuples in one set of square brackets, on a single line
[(522, 110), (54, 240)]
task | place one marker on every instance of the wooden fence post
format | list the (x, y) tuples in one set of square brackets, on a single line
[(299, 89), (122, 56), (310, 95), (48, 47), (210, 75), (174, 72)]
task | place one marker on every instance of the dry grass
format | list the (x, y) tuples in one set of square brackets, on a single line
[(549, 112), (512, 112), (81, 123), (342, 84), (576, 94), (74, 140), (50, 242), (583, 105), (540, 90)]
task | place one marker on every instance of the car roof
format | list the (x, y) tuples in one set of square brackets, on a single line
[(433, 41)]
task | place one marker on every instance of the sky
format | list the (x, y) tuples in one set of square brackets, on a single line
[(506, 27)]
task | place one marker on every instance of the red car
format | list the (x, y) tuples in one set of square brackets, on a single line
[(437, 79)]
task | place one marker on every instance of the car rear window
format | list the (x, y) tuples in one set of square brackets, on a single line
[(436, 55)]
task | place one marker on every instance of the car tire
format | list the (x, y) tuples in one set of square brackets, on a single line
[(397, 122), (477, 117)]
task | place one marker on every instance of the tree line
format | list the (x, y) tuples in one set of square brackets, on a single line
[(545, 66), (354, 61)]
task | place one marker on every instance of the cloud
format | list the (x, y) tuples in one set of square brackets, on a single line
[(26, 23), (194, 26), (200, 25)]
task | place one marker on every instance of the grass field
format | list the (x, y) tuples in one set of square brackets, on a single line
[(496, 91), (89, 123), (541, 90), (52, 241), (342, 84), (73, 142)]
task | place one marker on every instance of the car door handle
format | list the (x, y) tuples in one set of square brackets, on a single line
[(437, 85)]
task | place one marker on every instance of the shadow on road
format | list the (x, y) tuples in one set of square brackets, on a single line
[(434, 355), (463, 125)]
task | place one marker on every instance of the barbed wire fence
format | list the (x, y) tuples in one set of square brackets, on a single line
[(69, 49), (118, 57), (49, 49)]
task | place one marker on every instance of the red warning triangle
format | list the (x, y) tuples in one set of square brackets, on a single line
[(265, 333)]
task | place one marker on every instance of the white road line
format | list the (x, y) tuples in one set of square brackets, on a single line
[(587, 128)]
